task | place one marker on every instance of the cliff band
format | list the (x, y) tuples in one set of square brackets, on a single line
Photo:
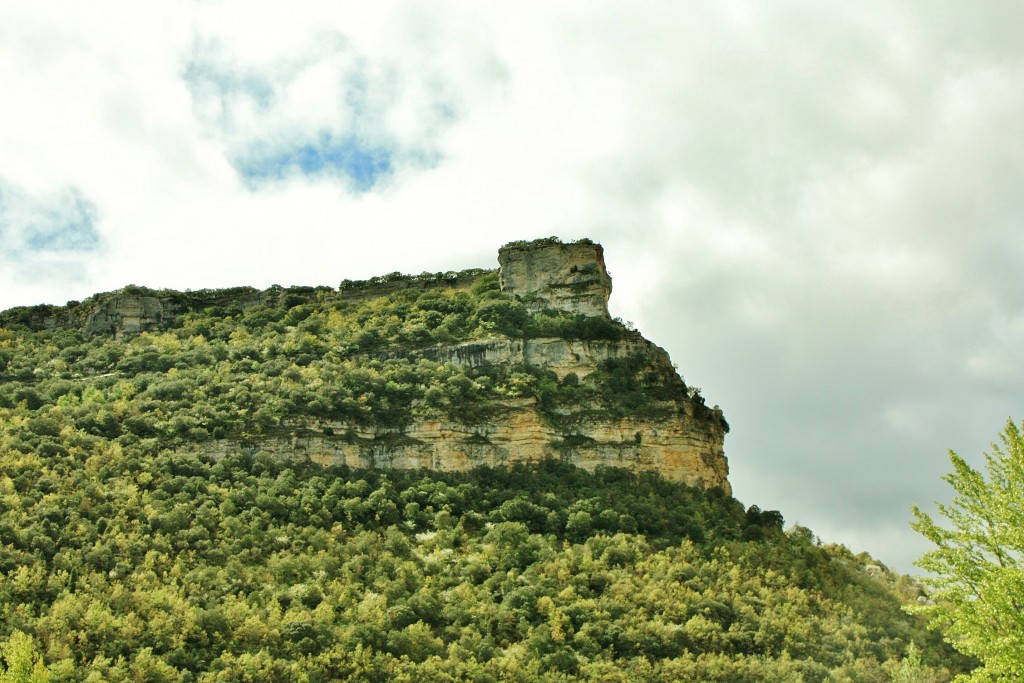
[(673, 432)]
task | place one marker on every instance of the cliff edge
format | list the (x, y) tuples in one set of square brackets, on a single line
[(446, 371), (548, 273)]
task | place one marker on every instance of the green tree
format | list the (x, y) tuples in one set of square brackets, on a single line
[(22, 664), (911, 670), (977, 567)]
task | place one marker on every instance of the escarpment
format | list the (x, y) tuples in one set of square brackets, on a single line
[(551, 274), (446, 371), (669, 431)]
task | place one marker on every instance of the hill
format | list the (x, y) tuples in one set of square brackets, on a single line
[(474, 476), (447, 371)]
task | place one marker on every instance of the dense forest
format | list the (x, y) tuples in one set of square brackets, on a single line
[(125, 555)]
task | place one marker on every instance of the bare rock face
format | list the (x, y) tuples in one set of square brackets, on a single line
[(681, 448), (561, 356), (133, 309), (682, 440), (126, 314), (549, 274)]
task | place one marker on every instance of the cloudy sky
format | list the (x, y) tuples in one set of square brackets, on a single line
[(815, 207)]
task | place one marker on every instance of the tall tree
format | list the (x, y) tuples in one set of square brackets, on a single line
[(977, 566), (22, 664)]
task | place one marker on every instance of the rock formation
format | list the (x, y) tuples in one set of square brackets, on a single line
[(674, 434), (550, 274), (126, 314), (681, 449), (544, 273), (138, 309), (683, 440)]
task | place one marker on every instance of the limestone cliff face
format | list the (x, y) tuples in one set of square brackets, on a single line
[(550, 274), (675, 433), (561, 356), (136, 309), (680, 438), (126, 314), (681, 447)]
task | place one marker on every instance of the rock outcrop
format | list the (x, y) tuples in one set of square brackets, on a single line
[(682, 448), (673, 433), (543, 274), (126, 314), (682, 438), (132, 309), (550, 274), (561, 356)]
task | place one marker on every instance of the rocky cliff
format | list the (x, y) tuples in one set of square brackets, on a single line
[(680, 449), (551, 274), (535, 364), (678, 436)]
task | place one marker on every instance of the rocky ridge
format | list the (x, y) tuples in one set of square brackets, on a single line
[(679, 437), (683, 441)]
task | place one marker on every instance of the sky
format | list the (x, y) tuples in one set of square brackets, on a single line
[(816, 207)]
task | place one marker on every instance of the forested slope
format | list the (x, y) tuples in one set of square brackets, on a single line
[(127, 555)]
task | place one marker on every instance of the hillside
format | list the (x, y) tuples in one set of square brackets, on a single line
[(474, 476), (447, 371)]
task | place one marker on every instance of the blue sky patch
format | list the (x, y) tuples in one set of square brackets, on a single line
[(61, 222), (67, 224), (329, 156), (270, 136)]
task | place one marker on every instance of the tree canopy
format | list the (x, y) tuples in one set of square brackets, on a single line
[(977, 566)]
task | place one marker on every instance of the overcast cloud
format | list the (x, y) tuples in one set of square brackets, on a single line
[(815, 207)]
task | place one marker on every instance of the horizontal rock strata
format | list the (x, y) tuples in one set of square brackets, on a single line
[(681, 448)]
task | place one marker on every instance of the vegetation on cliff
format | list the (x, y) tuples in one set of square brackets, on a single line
[(126, 556), (224, 372)]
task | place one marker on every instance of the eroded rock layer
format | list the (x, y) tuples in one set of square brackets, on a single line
[(660, 426), (550, 274), (680, 449)]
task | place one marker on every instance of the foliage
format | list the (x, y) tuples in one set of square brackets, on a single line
[(125, 555), (225, 371), (21, 662), (126, 563), (977, 567), (544, 242)]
